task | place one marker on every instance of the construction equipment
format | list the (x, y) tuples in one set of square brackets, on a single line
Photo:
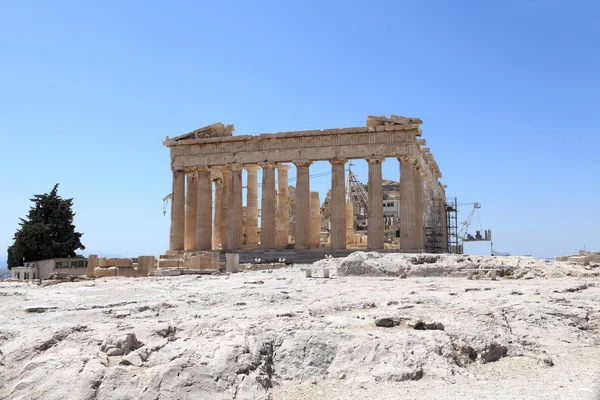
[(355, 188), (457, 237), (166, 202), (464, 234)]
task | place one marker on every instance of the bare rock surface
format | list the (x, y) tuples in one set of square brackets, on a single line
[(424, 265), (292, 337)]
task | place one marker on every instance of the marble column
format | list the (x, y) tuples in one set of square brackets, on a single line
[(252, 206), (191, 209), (338, 204), (267, 208), (236, 229), (177, 239), (283, 211), (420, 200), (444, 222), (349, 223), (408, 205), (225, 208), (302, 205), (217, 214), (204, 214), (315, 220), (427, 201), (375, 226)]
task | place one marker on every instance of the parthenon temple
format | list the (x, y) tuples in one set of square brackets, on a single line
[(209, 162)]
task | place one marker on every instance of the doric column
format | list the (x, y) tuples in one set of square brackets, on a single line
[(349, 223), (337, 206), (236, 229), (283, 211), (444, 221), (252, 206), (420, 200), (427, 200), (178, 211), (315, 220), (409, 202), (302, 205), (225, 208), (191, 208), (217, 215), (375, 218), (267, 207), (204, 215)]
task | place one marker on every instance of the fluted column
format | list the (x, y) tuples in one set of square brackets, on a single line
[(236, 229), (338, 204), (349, 223), (267, 208), (444, 222), (427, 201), (375, 219), (302, 205), (177, 239), (204, 214), (283, 211), (191, 209), (225, 208), (409, 214), (252, 206), (217, 214), (420, 199), (315, 220)]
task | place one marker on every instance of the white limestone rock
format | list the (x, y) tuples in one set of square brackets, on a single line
[(218, 337), (125, 342)]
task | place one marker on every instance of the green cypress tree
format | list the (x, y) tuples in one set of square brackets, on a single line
[(46, 232)]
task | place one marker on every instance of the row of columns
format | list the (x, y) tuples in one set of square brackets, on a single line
[(192, 213)]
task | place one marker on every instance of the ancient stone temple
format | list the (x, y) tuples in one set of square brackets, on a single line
[(210, 160)]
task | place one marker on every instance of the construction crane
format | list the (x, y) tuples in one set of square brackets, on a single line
[(353, 184), (166, 202), (464, 234), (456, 237)]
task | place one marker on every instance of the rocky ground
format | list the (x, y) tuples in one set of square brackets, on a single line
[(408, 327)]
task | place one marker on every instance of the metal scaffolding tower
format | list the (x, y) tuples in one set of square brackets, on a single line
[(433, 231), (454, 242)]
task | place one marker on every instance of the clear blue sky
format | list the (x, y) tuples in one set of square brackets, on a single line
[(509, 92)]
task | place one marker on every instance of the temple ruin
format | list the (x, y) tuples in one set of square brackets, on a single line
[(211, 159)]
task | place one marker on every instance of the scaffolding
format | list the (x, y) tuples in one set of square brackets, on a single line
[(454, 243), (434, 237)]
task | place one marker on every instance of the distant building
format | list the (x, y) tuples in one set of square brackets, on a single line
[(42, 269)]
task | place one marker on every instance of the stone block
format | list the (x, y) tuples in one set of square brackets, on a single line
[(229, 263), (103, 262), (166, 272), (127, 272), (582, 260), (92, 264), (105, 271), (168, 264), (122, 262), (145, 265)]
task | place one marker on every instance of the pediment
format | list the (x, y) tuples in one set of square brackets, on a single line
[(215, 130)]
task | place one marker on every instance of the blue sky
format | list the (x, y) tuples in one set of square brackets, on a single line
[(509, 92)]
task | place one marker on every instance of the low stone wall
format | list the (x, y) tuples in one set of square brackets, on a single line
[(583, 258), (103, 267), (191, 260), (70, 271)]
